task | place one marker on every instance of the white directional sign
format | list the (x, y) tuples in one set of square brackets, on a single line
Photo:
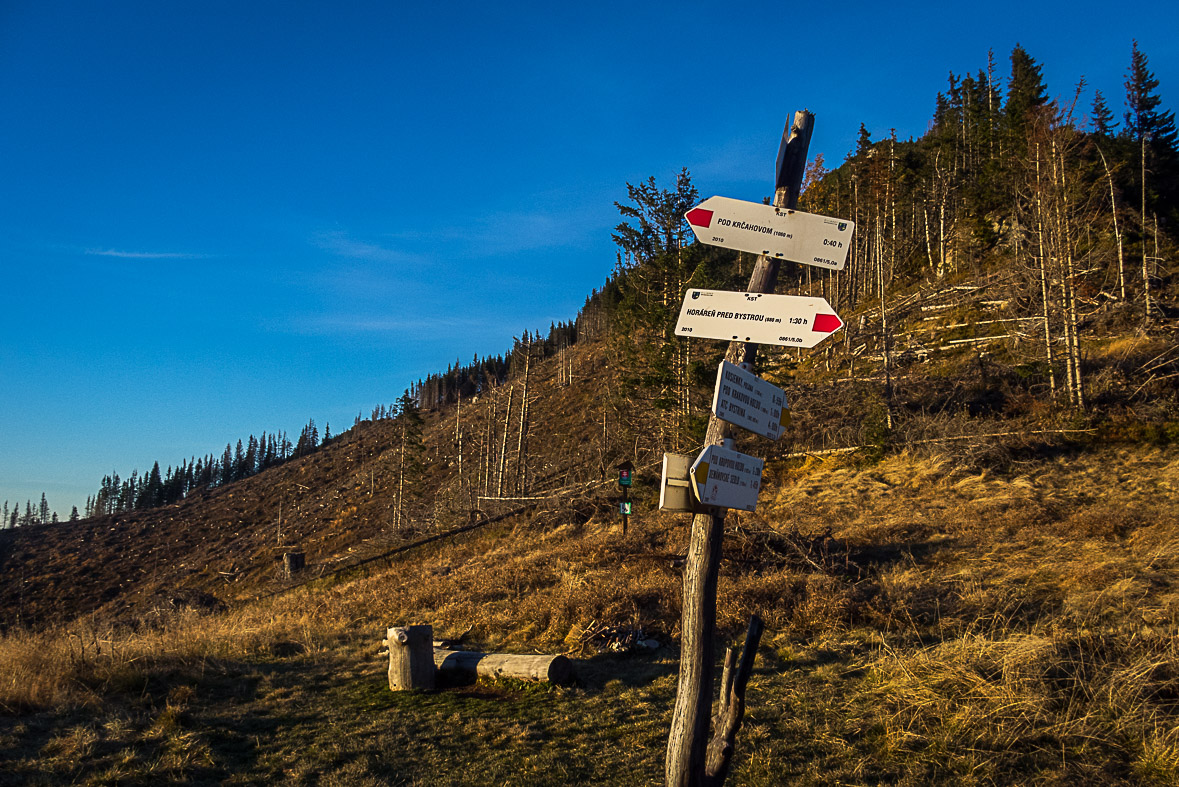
[(744, 399), (776, 232), (789, 320), (727, 479)]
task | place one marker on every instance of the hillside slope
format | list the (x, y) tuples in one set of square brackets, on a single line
[(945, 381), (335, 505)]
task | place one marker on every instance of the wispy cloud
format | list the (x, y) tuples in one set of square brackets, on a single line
[(146, 255), (333, 324), (507, 232), (344, 245)]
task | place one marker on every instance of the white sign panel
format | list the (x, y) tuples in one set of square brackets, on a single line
[(821, 241), (744, 399), (674, 494), (789, 320), (727, 479)]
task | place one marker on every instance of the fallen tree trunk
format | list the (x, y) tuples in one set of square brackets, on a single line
[(549, 669)]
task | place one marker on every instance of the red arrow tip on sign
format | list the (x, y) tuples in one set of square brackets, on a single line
[(827, 323), (699, 217)]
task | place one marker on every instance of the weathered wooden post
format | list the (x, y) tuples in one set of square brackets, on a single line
[(688, 762), (411, 658)]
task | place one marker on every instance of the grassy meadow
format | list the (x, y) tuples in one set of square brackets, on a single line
[(928, 621)]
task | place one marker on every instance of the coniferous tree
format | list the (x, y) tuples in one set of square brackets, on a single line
[(1102, 120), (1154, 134), (226, 467), (1152, 129), (250, 466), (74, 514), (1025, 91), (1144, 119), (150, 492), (239, 462)]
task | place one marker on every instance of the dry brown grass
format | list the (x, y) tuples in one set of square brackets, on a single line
[(78, 666), (959, 625)]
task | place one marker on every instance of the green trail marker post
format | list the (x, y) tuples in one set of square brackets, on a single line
[(625, 474)]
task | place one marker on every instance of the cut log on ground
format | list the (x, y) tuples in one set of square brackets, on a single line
[(468, 663)]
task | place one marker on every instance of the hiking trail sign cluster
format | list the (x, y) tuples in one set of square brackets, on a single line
[(700, 743), (721, 477)]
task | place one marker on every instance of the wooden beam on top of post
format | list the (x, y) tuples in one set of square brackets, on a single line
[(688, 741)]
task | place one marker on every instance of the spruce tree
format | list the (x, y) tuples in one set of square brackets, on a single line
[(1144, 118), (239, 461), (154, 487), (1154, 134), (226, 468), (1102, 119), (1025, 93), (251, 463)]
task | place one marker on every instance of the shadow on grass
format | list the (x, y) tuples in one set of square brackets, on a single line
[(629, 670)]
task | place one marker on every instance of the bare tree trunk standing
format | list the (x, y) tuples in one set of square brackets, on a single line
[(503, 450), (1044, 278), (458, 436), (1113, 206), (488, 445), (687, 762), (400, 487), (1145, 266), (884, 336), (1065, 212), (521, 439)]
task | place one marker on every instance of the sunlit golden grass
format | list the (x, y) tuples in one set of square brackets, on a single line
[(80, 664)]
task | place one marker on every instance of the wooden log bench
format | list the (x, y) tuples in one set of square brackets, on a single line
[(415, 662)]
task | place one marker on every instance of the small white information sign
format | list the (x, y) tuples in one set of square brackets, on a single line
[(674, 494), (724, 478), (744, 399), (789, 320), (821, 241)]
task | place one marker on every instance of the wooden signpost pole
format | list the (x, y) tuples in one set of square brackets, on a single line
[(691, 759)]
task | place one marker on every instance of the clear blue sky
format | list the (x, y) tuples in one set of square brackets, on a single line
[(223, 218)]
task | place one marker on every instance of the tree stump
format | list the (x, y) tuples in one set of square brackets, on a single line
[(411, 658), (292, 563)]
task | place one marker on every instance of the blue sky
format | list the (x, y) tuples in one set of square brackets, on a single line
[(223, 218)]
